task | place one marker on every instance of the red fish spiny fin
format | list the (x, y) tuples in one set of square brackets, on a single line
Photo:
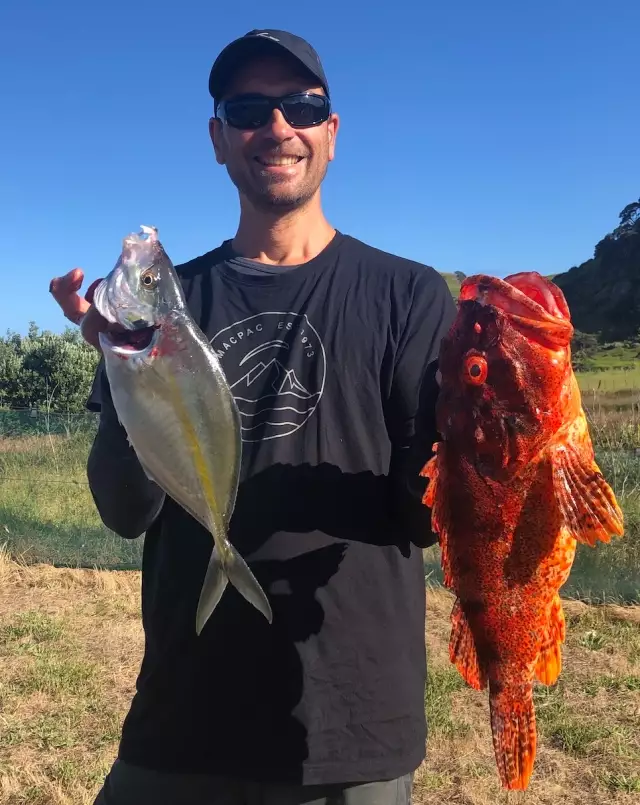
[(549, 664), (513, 726), (434, 497), (462, 649), (587, 502)]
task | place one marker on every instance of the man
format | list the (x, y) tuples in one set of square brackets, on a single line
[(330, 346)]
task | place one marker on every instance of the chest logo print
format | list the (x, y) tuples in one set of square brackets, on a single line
[(276, 366)]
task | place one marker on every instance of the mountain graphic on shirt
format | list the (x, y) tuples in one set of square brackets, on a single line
[(273, 384)]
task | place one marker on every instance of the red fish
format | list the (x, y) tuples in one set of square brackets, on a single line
[(513, 486)]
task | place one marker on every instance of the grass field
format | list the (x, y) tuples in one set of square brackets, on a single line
[(47, 513), (71, 643)]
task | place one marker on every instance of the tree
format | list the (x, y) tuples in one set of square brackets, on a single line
[(44, 369)]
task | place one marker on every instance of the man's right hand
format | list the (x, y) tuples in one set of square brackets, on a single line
[(76, 308)]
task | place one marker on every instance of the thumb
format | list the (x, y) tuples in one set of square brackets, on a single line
[(65, 291)]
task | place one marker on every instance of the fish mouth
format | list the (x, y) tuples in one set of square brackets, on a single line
[(532, 303), (130, 342), (129, 332)]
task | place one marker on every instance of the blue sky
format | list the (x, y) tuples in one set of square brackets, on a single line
[(493, 137)]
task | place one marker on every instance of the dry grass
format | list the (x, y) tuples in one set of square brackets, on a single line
[(589, 742), (70, 646), (71, 643)]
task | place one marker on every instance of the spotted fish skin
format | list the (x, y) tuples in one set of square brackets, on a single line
[(513, 486)]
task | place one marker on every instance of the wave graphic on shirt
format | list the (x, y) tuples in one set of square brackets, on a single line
[(269, 387), (275, 364)]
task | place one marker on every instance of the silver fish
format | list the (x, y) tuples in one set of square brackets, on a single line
[(175, 404)]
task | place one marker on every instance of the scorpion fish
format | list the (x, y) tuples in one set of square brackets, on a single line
[(513, 486)]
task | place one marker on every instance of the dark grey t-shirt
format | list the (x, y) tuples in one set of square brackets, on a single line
[(246, 266), (332, 364)]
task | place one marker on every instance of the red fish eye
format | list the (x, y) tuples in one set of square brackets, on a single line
[(475, 370)]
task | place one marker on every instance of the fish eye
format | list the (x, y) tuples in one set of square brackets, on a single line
[(475, 370), (148, 279)]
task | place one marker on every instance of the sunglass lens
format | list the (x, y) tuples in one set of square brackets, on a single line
[(251, 113), (305, 110)]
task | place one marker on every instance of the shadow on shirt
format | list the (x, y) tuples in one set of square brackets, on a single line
[(259, 698)]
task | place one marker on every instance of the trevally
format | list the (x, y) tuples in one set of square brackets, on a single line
[(173, 400)]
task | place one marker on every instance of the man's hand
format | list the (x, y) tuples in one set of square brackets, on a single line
[(76, 308)]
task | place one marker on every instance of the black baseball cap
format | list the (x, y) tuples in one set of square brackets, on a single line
[(263, 40)]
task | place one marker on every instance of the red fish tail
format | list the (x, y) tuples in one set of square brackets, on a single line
[(513, 724)]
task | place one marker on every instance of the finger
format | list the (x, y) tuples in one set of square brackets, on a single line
[(67, 284), (65, 291)]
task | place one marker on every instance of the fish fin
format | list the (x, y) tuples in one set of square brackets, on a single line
[(246, 583), (462, 649), (214, 584), (513, 727), (587, 502), (433, 497), (235, 570), (549, 663)]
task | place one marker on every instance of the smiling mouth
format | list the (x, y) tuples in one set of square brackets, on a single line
[(278, 162), (129, 341)]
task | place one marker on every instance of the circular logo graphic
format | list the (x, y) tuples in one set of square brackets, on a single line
[(275, 364)]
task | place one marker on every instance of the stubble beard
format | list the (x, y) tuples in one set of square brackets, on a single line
[(271, 196)]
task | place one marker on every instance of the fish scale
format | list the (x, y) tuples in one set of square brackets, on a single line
[(513, 486)]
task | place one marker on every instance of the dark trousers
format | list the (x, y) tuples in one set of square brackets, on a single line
[(131, 785)]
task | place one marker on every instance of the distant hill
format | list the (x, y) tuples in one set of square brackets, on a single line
[(603, 293), (453, 281)]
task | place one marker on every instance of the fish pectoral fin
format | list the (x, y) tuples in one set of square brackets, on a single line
[(462, 649), (587, 502), (549, 663), (235, 570), (513, 727), (430, 471), (434, 498)]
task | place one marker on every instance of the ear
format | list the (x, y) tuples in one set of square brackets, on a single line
[(332, 132), (217, 139)]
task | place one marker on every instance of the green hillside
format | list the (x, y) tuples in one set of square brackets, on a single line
[(453, 282), (603, 293)]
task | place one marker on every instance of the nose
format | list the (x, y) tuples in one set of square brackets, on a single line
[(277, 128)]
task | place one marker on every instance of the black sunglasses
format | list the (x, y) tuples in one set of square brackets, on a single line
[(300, 109)]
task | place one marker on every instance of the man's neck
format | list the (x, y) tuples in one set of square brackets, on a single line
[(288, 239)]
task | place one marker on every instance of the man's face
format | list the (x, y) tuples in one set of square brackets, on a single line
[(250, 156)]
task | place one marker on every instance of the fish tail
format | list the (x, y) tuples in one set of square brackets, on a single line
[(228, 566), (513, 725)]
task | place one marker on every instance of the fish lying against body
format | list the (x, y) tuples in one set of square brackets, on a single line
[(175, 404), (513, 486)]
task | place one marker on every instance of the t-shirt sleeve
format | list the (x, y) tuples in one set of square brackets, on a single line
[(93, 402), (411, 410), (126, 500)]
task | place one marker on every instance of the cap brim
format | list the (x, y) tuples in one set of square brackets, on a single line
[(238, 51)]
